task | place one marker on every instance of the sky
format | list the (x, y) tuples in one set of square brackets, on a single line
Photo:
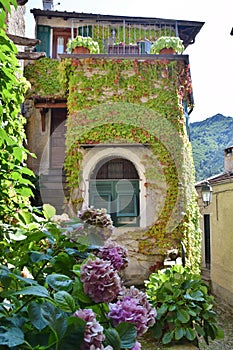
[(210, 57)]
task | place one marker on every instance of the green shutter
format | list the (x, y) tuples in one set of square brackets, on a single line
[(127, 204), (43, 34), (120, 198), (100, 201)]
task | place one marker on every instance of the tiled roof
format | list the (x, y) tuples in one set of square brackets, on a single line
[(226, 176)]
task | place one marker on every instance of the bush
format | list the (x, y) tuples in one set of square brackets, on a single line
[(57, 293), (184, 307)]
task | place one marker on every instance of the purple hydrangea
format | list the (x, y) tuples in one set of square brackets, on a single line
[(133, 292), (137, 346), (116, 254), (133, 307), (100, 281), (93, 335)]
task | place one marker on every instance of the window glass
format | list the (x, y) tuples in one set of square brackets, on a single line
[(60, 45)]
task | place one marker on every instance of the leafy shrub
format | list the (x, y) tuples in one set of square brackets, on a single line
[(55, 293), (15, 188), (184, 307)]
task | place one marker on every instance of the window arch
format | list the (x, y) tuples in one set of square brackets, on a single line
[(114, 185)]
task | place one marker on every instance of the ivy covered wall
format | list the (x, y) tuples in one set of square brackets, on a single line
[(137, 101)]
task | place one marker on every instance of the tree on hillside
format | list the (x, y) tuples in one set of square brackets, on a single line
[(15, 188)]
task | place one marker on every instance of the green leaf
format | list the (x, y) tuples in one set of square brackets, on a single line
[(167, 338), (25, 192), (127, 333), (112, 338), (18, 236), (59, 282), (190, 334), (18, 153), (157, 330), (183, 316), (50, 313), (38, 291), (65, 301), (49, 211), (11, 337), (74, 334), (37, 256), (179, 333), (220, 334), (78, 290), (200, 331), (197, 295), (35, 315)]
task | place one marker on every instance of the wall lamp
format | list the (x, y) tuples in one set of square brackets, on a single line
[(206, 193)]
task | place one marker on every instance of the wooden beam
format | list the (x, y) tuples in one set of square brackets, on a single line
[(30, 55), (43, 112), (50, 105), (21, 40)]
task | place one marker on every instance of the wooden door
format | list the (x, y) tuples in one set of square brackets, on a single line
[(57, 138)]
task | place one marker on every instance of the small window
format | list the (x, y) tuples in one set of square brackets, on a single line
[(60, 45), (114, 185)]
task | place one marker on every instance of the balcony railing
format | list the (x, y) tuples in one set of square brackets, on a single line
[(123, 37)]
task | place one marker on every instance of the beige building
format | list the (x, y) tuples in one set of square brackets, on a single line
[(217, 227)]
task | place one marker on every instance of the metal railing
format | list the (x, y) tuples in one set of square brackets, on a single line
[(123, 36)]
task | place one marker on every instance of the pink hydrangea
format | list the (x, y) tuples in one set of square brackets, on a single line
[(100, 281), (137, 346), (93, 335), (116, 254), (133, 307)]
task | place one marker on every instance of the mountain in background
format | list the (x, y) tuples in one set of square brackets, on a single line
[(209, 138)]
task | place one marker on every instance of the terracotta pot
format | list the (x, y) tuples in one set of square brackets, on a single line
[(80, 50), (167, 51)]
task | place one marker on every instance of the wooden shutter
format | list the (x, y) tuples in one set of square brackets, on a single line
[(43, 34), (127, 198), (127, 204), (101, 195)]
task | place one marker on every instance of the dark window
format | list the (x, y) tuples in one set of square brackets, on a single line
[(207, 240)]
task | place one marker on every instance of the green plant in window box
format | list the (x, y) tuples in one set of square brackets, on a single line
[(167, 42), (83, 41)]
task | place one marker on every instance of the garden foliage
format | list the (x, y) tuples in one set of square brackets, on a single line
[(58, 292), (184, 306), (14, 183)]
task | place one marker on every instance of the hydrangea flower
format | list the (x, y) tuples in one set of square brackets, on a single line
[(133, 292), (100, 281), (116, 254), (133, 307), (96, 217), (93, 335), (137, 346)]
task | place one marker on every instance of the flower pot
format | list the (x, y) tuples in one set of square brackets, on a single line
[(80, 50), (167, 51)]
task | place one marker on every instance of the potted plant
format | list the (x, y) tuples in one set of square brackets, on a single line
[(167, 45), (83, 44)]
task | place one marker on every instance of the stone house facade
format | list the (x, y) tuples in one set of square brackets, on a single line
[(110, 130)]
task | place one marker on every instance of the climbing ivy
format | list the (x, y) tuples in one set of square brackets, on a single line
[(46, 80), (136, 101)]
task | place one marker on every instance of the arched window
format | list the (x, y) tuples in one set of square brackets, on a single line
[(114, 185)]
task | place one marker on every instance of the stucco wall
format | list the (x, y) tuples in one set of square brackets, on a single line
[(221, 236)]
